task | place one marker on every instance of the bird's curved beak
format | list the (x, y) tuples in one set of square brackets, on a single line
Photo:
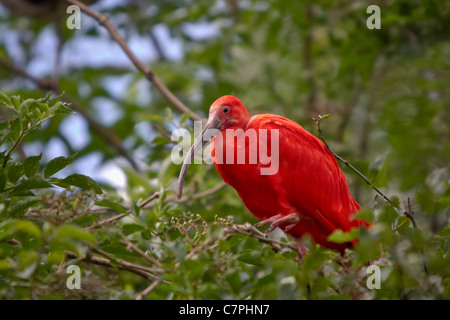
[(202, 140)]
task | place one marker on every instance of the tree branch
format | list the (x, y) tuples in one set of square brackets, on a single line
[(147, 203), (149, 74), (136, 249), (408, 213), (124, 265), (102, 223), (148, 290), (132, 267), (249, 230), (348, 164)]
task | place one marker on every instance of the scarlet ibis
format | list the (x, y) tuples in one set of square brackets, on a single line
[(307, 193)]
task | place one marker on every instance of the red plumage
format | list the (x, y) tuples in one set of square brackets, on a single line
[(309, 189)]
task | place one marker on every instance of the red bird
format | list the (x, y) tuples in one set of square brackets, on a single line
[(288, 177)]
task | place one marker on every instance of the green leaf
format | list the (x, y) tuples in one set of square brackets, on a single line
[(22, 206), (251, 257), (30, 184), (365, 214), (4, 264), (15, 171), (132, 228), (57, 164), (112, 205), (26, 232), (46, 98), (74, 232), (27, 261), (160, 141), (169, 114), (153, 117), (54, 100), (340, 236), (80, 181), (31, 165), (15, 102), (5, 100), (234, 279), (27, 104), (15, 129), (184, 118)]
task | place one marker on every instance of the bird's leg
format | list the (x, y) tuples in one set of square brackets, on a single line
[(300, 247), (279, 219), (270, 220)]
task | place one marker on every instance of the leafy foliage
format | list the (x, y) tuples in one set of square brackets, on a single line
[(387, 97)]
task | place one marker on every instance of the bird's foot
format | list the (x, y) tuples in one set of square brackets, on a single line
[(270, 220), (279, 219), (300, 248)]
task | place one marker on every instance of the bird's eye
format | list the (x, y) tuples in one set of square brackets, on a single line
[(226, 109)]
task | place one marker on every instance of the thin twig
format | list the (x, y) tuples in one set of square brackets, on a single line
[(125, 265), (122, 215), (152, 77), (107, 221), (348, 164), (251, 231), (136, 249), (408, 213), (148, 203), (148, 290), (154, 196)]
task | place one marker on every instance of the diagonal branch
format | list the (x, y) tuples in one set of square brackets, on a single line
[(249, 230), (147, 203), (144, 272), (136, 249), (127, 266), (148, 290), (408, 213), (348, 164), (149, 74), (143, 204)]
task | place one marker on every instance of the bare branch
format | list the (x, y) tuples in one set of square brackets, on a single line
[(154, 196), (251, 231), (136, 249), (408, 213), (148, 290), (152, 77), (120, 216), (132, 267), (124, 265), (348, 164)]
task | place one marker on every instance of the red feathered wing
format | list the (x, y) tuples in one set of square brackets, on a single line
[(309, 181)]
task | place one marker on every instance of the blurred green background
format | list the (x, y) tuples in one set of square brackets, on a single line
[(387, 91)]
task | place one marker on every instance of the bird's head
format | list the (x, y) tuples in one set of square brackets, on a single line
[(226, 112)]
